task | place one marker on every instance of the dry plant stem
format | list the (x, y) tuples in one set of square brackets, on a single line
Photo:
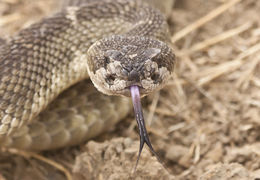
[(219, 38), (27, 154), (216, 71), (153, 107), (10, 1), (165, 112), (157, 133), (248, 74), (2, 178), (176, 127), (181, 95), (202, 91), (9, 19), (195, 25)]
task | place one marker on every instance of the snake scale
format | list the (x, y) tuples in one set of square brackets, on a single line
[(47, 100)]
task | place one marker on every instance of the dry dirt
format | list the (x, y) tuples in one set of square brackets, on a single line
[(205, 124)]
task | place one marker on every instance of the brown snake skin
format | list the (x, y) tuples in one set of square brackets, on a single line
[(46, 98)]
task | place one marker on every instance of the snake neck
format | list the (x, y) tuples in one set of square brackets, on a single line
[(50, 56)]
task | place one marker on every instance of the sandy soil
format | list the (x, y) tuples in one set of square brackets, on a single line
[(205, 124)]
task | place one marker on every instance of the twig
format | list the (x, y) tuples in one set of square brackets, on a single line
[(9, 19), (221, 37), (200, 22), (248, 74), (41, 158), (216, 71), (152, 108)]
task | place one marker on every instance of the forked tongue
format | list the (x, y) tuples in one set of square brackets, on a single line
[(144, 138)]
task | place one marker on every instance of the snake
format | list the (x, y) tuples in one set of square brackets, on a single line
[(68, 77)]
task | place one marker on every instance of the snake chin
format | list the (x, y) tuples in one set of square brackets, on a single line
[(118, 62)]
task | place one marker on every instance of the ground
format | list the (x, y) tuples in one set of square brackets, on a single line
[(204, 124)]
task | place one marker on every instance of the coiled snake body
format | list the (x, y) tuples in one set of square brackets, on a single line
[(46, 99)]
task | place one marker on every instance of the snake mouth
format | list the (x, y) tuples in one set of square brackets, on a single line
[(142, 90), (144, 138)]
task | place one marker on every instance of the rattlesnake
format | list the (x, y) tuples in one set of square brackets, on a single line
[(46, 98)]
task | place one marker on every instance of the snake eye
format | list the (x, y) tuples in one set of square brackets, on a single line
[(151, 52), (114, 54), (110, 79)]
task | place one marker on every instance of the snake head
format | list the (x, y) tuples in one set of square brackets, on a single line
[(131, 66), (119, 62)]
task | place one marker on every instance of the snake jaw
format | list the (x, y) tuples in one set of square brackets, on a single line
[(144, 138)]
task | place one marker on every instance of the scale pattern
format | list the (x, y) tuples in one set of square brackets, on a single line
[(45, 100)]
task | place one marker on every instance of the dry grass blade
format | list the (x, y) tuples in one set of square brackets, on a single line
[(157, 133), (165, 112), (248, 74), (195, 25), (221, 37), (176, 127), (41, 158), (152, 108), (10, 1), (2, 178), (256, 81), (229, 66), (9, 19), (180, 90)]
